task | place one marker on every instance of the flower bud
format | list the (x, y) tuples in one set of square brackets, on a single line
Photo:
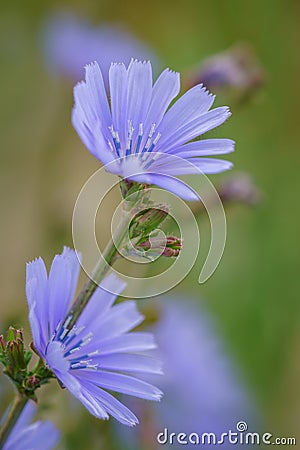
[(173, 246), (13, 355), (147, 221), (2, 344), (168, 247)]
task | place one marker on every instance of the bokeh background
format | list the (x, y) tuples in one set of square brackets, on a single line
[(253, 297)]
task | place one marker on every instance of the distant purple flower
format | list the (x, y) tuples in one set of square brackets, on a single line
[(235, 68), (99, 352), (135, 136), (70, 42), (202, 389), (26, 435), (214, 397)]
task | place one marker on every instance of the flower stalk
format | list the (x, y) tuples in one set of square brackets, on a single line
[(12, 417)]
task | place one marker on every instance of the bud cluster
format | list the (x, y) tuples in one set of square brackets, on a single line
[(15, 359), (144, 233), (170, 246)]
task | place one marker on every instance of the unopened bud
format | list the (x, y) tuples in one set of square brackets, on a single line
[(173, 246), (168, 247), (11, 334), (2, 343), (148, 220), (14, 358), (33, 381)]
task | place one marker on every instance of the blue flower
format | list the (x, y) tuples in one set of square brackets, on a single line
[(136, 136), (69, 42), (26, 435), (99, 352), (203, 390), (215, 397)]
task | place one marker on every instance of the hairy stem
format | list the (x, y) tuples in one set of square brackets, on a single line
[(12, 417)]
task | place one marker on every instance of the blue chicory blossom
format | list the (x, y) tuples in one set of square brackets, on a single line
[(26, 435), (203, 391), (136, 136), (99, 352), (70, 42), (214, 398)]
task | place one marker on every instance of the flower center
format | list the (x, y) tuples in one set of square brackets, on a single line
[(133, 148), (55, 357), (65, 350)]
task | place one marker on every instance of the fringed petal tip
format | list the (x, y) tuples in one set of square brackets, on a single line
[(70, 253), (137, 61), (205, 90), (91, 65), (37, 260)]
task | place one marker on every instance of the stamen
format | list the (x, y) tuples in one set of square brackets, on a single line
[(82, 358), (73, 334), (64, 330), (116, 139), (155, 141), (139, 140), (110, 146), (96, 352), (87, 338), (117, 143), (73, 350), (148, 143), (78, 345), (129, 139), (82, 365), (151, 161)]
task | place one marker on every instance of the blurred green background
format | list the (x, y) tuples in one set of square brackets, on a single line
[(254, 294)]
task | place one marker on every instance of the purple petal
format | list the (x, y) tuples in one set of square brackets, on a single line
[(97, 95), (63, 278), (112, 405), (32, 437), (37, 297), (129, 363), (194, 128), (204, 147), (132, 342), (101, 301), (124, 384), (165, 89), (26, 416), (26, 436), (120, 319), (118, 98), (139, 93), (192, 166), (171, 184), (193, 104), (87, 124), (91, 402)]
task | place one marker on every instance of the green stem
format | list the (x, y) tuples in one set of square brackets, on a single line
[(106, 261), (12, 417)]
